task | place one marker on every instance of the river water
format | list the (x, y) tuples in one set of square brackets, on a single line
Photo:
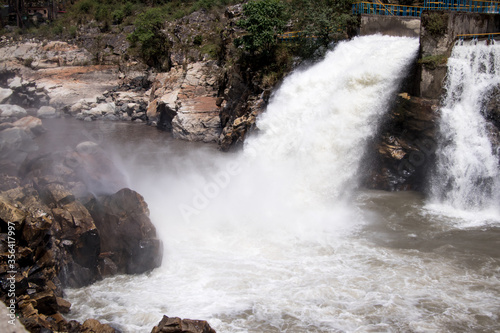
[(279, 237)]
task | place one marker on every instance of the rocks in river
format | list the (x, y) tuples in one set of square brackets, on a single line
[(30, 123), (25, 93), (178, 325), (47, 112), (125, 216), (8, 111)]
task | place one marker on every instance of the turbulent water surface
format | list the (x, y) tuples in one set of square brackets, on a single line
[(279, 238)]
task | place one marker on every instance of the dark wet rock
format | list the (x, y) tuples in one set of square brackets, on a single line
[(59, 242), (178, 325), (125, 216), (403, 153)]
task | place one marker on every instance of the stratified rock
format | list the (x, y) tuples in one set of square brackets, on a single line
[(196, 127), (184, 101), (127, 232), (11, 111), (178, 325)]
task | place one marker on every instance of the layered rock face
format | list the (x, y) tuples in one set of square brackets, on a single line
[(185, 101)]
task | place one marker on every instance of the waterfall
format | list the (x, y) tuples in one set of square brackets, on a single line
[(466, 179), (320, 119)]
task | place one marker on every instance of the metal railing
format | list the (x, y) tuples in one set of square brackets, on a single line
[(464, 6), (364, 7), (488, 35), (378, 8)]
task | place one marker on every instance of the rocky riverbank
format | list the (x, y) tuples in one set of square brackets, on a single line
[(60, 214)]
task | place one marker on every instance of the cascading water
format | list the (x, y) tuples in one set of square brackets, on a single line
[(320, 119), (264, 241), (467, 178)]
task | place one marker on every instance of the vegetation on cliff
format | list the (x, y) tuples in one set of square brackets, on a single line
[(323, 20)]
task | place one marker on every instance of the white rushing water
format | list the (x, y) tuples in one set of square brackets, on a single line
[(277, 239), (467, 180)]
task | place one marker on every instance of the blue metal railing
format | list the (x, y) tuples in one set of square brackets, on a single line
[(386, 9), (465, 6), (473, 6)]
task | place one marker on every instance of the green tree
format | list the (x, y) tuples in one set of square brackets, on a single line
[(149, 38), (328, 20), (264, 19)]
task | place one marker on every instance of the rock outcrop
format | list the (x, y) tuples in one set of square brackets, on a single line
[(402, 155), (178, 325), (67, 221), (186, 102)]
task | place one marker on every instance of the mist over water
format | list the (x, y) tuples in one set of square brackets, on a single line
[(467, 180), (278, 238)]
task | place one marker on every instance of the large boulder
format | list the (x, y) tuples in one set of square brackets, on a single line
[(31, 124), (12, 111), (47, 112), (128, 237), (196, 127)]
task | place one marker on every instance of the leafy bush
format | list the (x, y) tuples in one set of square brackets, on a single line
[(264, 19), (435, 23), (148, 37)]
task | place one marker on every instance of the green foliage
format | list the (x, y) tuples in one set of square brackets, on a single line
[(264, 19), (103, 11), (198, 40), (435, 23), (328, 20), (147, 36)]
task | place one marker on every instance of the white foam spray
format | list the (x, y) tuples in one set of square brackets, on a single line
[(467, 178)]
